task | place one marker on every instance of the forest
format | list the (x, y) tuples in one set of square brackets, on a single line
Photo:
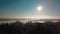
[(30, 28)]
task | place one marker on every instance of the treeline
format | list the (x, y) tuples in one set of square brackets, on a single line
[(30, 28)]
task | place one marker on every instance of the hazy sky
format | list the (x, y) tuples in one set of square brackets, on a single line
[(24, 8)]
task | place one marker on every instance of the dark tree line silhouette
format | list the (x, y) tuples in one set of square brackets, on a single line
[(30, 28)]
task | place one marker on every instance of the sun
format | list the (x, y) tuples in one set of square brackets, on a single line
[(39, 8)]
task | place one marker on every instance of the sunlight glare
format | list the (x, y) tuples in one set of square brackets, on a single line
[(39, 8)]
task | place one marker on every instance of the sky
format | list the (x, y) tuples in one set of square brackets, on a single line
[(28, 8)]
